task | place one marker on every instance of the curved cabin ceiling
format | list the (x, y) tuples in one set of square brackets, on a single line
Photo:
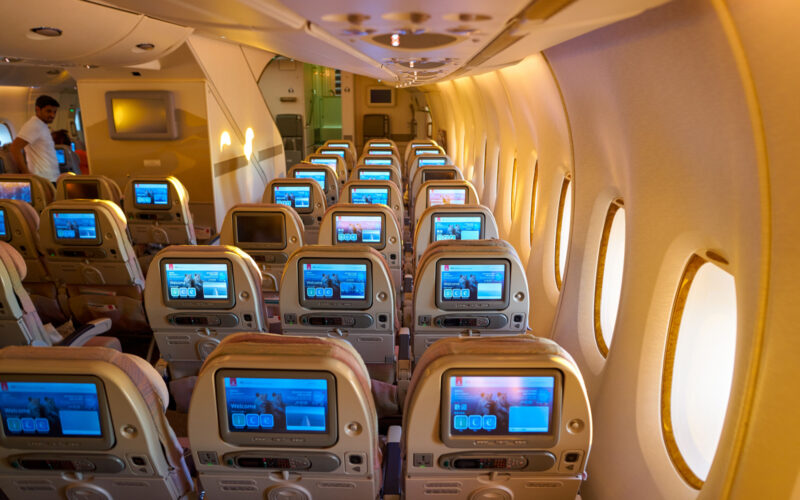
[(405, 42)]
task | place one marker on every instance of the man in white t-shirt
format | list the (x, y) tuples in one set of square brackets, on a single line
[(35, 138)]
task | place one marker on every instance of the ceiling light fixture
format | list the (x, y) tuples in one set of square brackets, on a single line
[(395, 40), (47, 31), (145, 46), (11, 59)]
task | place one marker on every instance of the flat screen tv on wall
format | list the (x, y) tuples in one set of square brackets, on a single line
[(141, 115)]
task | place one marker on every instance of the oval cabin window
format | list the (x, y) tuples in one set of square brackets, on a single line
[(698, 368), (5, 134), (533, 197), (562, 230), (608, 284)]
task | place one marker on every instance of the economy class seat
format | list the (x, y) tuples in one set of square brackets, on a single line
[(382, 161), (378, 172), (19, 227), (453, 222), (20, 324), (431, 173), (268, 232), (343, 292), (380, 142), (304, 196), (496, 418), (88, 187), (375, 192), (86, 423), (68, 160), (380, 153), (30, 188), (280, 416), (373, 225), (332, 160), (7, 165), (157, 207), (426, 160), (87, 251), (468, 288), (341, 143), (343, 152), (324, 175), (453, 192), (195, 296)]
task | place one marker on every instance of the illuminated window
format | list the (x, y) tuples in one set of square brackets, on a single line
[(608, 284), (698, 368), (533, 195), (5, 134), (514, 189), (562, 229)]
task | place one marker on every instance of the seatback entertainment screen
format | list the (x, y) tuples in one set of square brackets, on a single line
[(428, 162), (378, 161), (457, 227), (3, 225), (339, 152), (16, 190), (50, 409), (75, 190), (374, 175), (426, 151), (334, 281), (292, 196), (197, 281), (61, 156), (472, 282), (437, 175), (151, 194), (358, 228), (75, 226), (380, 152), (331, 162), (369, 196), (260, 229), (447, 196), (317, 175)]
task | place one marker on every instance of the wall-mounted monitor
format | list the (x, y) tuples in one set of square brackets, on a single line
[(438, 175), (16, 190), (61, 157), (197, 284), (464, 283), (141, 115), (511, 405), (369, 195), (335, 283), (151, 195), (297, 406), (5, 234), (317, 175), (432, 162), (374, 175), (447, 196), (359, 228), (378, 161), (297, 197), (457, 227), (81, 189), (75, 227), (54, 411), (259, 230)]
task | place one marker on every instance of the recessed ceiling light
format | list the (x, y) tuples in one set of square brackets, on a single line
[(46, 31), (90, 66), (145, 46)]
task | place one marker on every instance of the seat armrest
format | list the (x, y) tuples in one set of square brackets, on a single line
[(404, 362), (90, 330), (392, 465)]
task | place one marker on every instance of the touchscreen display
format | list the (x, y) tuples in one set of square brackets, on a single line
[(339, 152), (427, 162), (61, 156), (50, 409), (331, 162), (15, 190), (426, 151), (334, 281), (259, 228), (293, 196), (474, 282), (151, 193), (276, 404), (338, 145), (455, 227), (438, 175), (75, 225), (82, 190), (380, 144), (369, 196), (374, 175), (378, 161), (196, 281), (317, 175), (3, 230), (358, 228), (447, 196), (500, 406), (380, 152)]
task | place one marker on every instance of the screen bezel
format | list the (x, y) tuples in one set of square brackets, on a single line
[(168, 101), (106, 440), (26, 181), (387, 188), (97, 240), (196, 304), (76, 182), (257, 439), (543, 440), (5, 225), (324, 170), (153, 206), (375, 168), (378, 246), (439, 171), (456, 214), (302, 210), (345, 305), (428, 195), (474, 303), (258, 246)]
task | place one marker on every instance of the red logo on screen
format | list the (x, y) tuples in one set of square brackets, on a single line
[(4, 386), (233, 382), (447, 268), (169, 266), (458, 381)]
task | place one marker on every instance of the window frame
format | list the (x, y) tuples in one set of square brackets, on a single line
[(562, 202), (613, 208)]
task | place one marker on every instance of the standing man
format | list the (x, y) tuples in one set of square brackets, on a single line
[(35, 138)]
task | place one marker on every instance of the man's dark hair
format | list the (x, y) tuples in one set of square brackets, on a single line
[(45, 100)]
